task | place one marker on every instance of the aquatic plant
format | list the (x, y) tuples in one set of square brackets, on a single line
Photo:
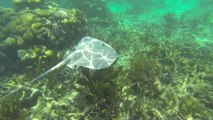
[(164, 71), (144, 71), (19, 107), (171, 23), (32, 4), (93, 8), (26, 29), (104, 93)]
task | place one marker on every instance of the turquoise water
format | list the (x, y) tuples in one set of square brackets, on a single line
[(163, 68), (7, 3)]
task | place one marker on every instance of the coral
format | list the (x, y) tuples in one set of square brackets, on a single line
[(35, 53), (49, 27), (9, 42), (39, 57)]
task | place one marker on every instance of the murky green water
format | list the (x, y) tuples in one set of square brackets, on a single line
[(163, 70)]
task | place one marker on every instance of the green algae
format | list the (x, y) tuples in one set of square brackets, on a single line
[(32, 4), (25, 29), (164, 70)]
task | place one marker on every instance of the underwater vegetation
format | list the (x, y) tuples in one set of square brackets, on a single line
[(30, 37), (92, 8), (32, 4), (164, 70)]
